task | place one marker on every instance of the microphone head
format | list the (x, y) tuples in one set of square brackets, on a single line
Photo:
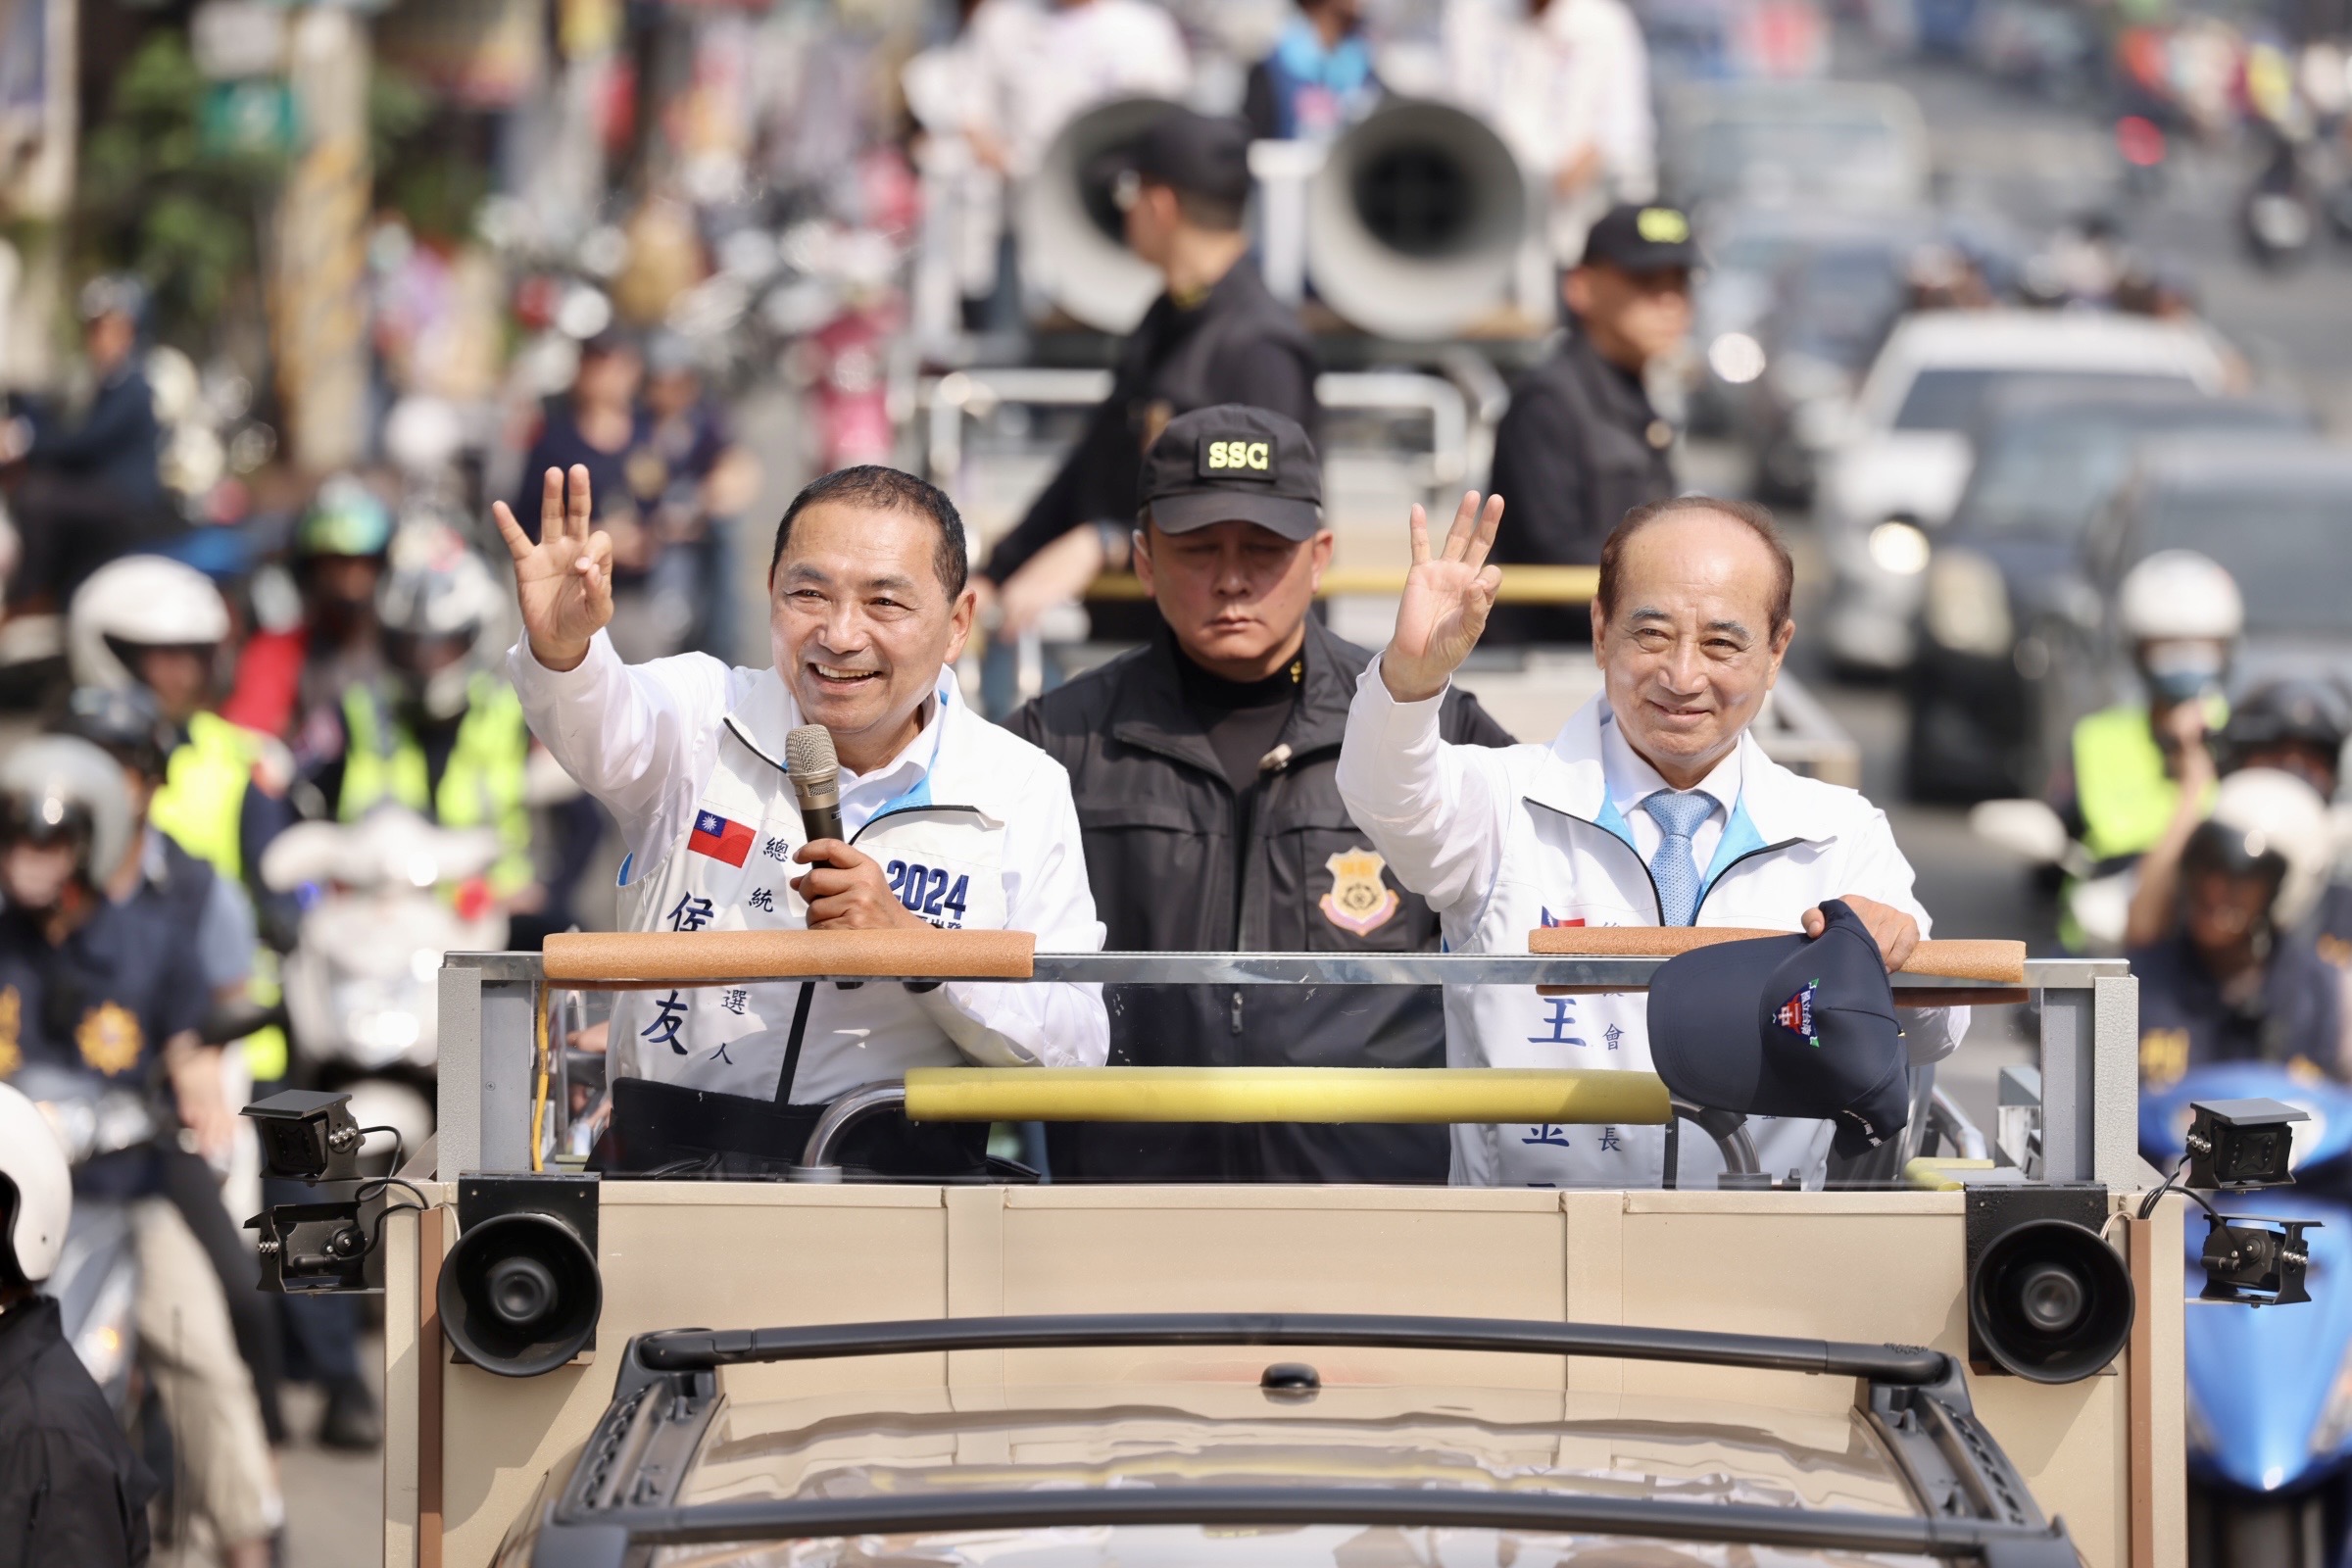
[(808, 755)]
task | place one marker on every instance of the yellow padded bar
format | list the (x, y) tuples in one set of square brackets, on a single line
[(1466, 1094)]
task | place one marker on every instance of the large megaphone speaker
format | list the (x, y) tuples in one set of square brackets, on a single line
[(519, 1294), (1414, 225), (2049, 1301), (1072, 235)]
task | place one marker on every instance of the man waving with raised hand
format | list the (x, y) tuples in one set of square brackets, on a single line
[(947, 821), (1653, 806)]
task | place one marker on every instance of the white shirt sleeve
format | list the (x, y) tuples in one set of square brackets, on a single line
[(1877, 869), (1036, 1024), (1430, 808), (641, 738)]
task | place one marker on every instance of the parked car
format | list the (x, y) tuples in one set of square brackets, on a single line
[(2011, 560), (1894, 462)]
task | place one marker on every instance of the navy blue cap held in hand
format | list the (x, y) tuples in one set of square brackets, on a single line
[(1786, 1026)]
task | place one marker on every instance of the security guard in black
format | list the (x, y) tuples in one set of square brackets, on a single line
[(1580, 444), (1225, 341), (1203, 768)]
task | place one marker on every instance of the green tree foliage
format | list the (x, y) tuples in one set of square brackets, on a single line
[(158, 198)]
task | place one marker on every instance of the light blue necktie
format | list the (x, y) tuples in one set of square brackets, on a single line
[(1678, 814)]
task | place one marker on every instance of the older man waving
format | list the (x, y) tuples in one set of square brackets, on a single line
[(1651, 806)]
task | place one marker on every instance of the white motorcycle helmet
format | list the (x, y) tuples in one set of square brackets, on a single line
[(2179, 596), (55, 786), (139, 601), (39, 1188), (2265, 819), (437, 592)]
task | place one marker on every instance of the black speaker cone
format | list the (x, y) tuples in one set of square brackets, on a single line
[(519, 1294), (2050, 1301), (2050, 1297), (520, 1289), (1415, 199)]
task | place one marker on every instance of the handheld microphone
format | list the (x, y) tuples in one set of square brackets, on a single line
[(815, 775)]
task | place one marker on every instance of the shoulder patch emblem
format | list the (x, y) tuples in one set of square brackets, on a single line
[(110, 1039), (1360, 901)]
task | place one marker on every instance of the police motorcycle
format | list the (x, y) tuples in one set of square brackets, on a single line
[(362, 983), (2270, 1393)]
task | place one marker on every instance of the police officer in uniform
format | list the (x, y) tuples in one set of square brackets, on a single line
[(1215, 336), (2239, 976), (1581, 446), (1202, 764), (949, 821)]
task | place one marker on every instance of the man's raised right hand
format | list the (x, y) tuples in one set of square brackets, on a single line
[(1445, 603), (564, 581)]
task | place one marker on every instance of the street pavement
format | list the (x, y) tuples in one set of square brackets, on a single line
[(2035, 165)]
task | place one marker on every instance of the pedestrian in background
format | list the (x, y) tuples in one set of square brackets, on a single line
[(1319, 81), (1214, 336), (1580, 444), (1566, 85)]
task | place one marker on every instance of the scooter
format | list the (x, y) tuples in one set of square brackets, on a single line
[(2278, 216), (382, 899), (2269, 1391)]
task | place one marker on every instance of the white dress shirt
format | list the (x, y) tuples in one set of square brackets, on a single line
[(1632, 780)]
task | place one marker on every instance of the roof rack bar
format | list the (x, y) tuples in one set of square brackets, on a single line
[(1998, 1546), (691, 1349)]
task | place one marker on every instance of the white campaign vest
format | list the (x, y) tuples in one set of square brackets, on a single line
[(1565, 862), (944, 858)]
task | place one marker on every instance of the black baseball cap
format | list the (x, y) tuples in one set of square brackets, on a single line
[(1642, 238), (1786, 1026), (1203, 155), (1232, 461)]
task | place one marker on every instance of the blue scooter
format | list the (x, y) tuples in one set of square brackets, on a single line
[(2269, 1390)]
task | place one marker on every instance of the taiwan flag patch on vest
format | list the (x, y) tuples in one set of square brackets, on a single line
[(721, 840)]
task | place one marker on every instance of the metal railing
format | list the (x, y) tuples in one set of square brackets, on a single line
[(494, 1037)]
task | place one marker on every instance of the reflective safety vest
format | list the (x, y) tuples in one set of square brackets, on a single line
[(201, 807), (202, 803), (2120, 786), (481, 787)]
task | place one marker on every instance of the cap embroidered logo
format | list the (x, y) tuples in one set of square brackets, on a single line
[(1796, 1014), (1237, 459), (1662, 226)]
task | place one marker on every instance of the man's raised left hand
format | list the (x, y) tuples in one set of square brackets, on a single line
[(1895, 932), (847, 892)]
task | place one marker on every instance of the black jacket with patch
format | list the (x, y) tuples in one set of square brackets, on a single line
[(72, 1494), (1180, 864)]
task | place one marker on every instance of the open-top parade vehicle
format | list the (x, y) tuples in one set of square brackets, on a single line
[(823, 1369)]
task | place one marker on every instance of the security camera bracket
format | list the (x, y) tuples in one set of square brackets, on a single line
[(2249, 1263)]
